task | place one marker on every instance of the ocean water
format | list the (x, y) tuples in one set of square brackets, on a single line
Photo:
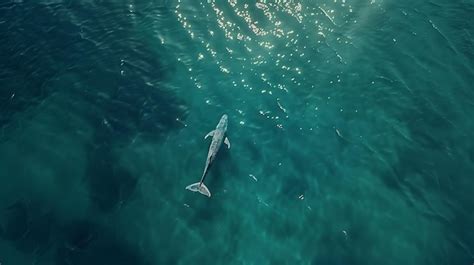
[(350, 123)]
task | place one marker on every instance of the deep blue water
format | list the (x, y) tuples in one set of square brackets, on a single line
[(350, 123)]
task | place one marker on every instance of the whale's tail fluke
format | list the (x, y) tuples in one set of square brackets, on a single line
[(199, 187)]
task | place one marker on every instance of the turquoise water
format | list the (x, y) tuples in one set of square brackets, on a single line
[(350, 123)]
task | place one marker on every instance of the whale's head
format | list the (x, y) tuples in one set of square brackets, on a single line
[(223, 122)]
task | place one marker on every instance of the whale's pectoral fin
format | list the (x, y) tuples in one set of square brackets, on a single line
[(211, 133), (227, 142)]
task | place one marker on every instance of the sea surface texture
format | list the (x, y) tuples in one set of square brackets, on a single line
[(351, 125)]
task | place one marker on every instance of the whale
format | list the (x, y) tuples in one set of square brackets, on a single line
[(218, 137)]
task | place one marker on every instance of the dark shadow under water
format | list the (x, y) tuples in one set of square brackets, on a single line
[(118, 91), (85, 242), (78, 242)]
